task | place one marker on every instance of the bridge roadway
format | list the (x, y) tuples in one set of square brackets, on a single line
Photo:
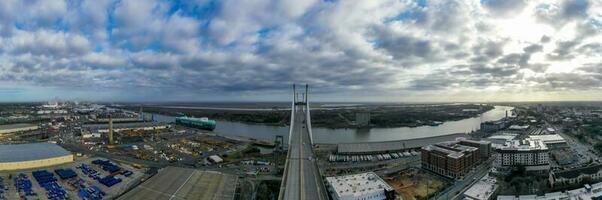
[(302, 179)]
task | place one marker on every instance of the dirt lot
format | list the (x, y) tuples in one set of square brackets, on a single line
[(412, 183)]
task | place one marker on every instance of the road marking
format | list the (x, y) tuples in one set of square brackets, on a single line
[(302, 180), (300, 126), (186, 181), (153, 190)]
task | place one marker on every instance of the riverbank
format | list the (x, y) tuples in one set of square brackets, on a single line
[(342, 135), (381, 116)]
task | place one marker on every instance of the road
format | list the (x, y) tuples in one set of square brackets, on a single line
[(80, 149), (301, 179), (459, 186), (580, 147)]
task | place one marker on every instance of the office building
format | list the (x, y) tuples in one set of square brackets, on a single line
[(493, 126), (451, 159), (593, 191), (576, 176), (484, 147), (529, 153)]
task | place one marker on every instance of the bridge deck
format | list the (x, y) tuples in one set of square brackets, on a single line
[(302, 178)]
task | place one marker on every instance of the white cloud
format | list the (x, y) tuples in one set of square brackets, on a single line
[(398, 49), (47, 42)]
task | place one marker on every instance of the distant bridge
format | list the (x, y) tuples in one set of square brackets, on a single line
[(301, 179)]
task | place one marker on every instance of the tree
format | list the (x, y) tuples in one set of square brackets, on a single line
[(598, 146)]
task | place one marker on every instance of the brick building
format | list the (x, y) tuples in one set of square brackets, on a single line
[(451, 159)]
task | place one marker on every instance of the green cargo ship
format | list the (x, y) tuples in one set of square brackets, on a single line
[(201, 123)]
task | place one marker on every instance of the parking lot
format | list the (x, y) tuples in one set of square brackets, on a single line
[(74, 186), (373, 157)]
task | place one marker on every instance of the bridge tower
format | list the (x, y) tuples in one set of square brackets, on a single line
[(301, 178)]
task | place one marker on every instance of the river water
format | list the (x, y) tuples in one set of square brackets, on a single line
[(342, 135)]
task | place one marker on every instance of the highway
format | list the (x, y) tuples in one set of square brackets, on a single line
[(302, 179)]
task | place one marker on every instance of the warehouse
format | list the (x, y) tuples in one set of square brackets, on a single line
[(553, 141), (34, 155), (393, 146), (117, 127), (13, 128)]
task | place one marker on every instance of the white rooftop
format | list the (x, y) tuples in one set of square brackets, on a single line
[(586, 192), (523, 145), (483, 189), (518, 127), (357, 185), (550, 138), (503, 137)]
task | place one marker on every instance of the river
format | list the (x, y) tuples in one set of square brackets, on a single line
[(343, 135)]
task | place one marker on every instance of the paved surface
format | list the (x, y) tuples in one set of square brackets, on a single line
[(301, 179), (183, 183), (459, 186), (112, 192), (584, 151)]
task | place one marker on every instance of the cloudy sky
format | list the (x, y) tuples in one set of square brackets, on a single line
[(348, 50)]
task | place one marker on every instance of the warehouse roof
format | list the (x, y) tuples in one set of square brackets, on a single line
[(483, 189), (356, 186), (368, 147), (32, 151), (574, 173), (508, 136), (14, 126), (124, 125), (449, 153), (551, 138), (523, 145)]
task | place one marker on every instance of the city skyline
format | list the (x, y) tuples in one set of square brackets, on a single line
[(352, 51)]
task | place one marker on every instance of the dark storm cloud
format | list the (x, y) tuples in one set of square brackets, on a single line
[(568, 81), (595, 68), (568, 49), (403, 47), (558, 14), (564, 50), (505, 7), (575, 8), (487, 51), (466, 76), (436, 81), (494, 71), (533, 48), (522, 59), (592, 49)]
